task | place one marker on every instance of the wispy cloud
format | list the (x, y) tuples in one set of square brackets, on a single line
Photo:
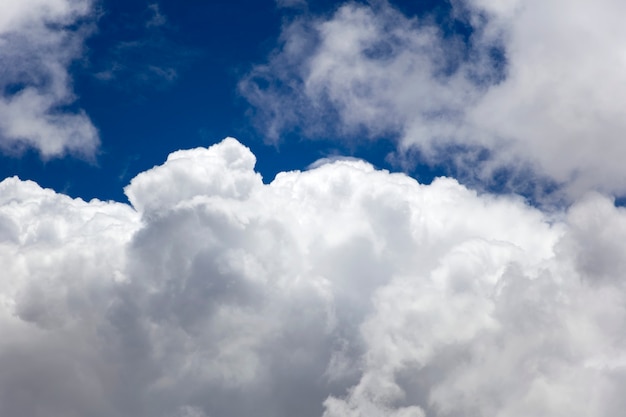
[(39, 40), (146, 56), (157, 18), (291, 3), (536, 85)]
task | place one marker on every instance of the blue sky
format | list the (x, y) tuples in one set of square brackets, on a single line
[(154, 77), (158, 77), (142, 116), (312, 208)]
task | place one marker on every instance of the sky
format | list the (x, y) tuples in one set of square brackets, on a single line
[(312, 208)]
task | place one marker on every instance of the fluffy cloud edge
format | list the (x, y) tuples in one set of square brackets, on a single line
[(525, 98)]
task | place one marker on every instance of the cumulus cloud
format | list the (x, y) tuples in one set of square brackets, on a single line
[(38, 41), (338, 291), (536, 87)]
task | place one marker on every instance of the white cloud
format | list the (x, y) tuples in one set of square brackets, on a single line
[(553, 104), (38, 42), (339, 291), (157, 19), (291, 3)]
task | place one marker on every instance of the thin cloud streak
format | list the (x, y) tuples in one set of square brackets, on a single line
[(147, 59)]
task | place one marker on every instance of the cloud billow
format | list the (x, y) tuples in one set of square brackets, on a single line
[(338, 291), (39, 40), (536, 84)]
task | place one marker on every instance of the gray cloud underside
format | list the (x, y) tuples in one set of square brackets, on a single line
[(339, 291), (539, 85)]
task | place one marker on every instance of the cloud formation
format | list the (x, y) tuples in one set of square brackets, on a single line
[(39, 40), (338, 291), (536, 87)]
